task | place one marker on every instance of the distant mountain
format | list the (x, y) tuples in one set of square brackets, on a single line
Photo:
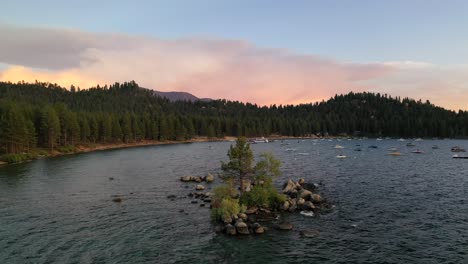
[(180, 96)]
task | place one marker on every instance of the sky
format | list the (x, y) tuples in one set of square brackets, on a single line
[(264, 52)]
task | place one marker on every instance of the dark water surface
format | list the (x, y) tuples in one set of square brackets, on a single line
[(407, 209)]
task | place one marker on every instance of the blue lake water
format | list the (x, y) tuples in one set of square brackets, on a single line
[(406, 209)]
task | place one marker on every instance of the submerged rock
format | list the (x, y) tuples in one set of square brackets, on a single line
[(230, 230), (285, 226), (117, 200), (200, 187)]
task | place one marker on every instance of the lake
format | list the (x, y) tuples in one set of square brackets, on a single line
[(405, 209)]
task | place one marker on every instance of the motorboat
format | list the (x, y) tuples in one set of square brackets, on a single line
[(417, 151), (459, 157), (260, 140), (394, 153), (458, 149), (341, 156), (338, 147)]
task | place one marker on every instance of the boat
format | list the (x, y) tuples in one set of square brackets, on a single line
[(459, 157), (338, 147), (378, 139), (357, 149), (401, 139), (394, 153), (417, 151), (410, 144), (373, 146), (392, 149), (260, 140), (457, 149), (341, 156)]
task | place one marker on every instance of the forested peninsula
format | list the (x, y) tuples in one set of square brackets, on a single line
[(43, 118)]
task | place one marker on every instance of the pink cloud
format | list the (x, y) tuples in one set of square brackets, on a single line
[(215, 68)]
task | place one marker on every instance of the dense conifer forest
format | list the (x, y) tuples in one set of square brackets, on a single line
[(47, 116)]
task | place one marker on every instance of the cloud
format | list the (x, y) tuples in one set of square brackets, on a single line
[(207, 67)]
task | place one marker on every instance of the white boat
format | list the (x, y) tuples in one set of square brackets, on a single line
[(459, 157), (260, 140), (338, 147), (342, 156)]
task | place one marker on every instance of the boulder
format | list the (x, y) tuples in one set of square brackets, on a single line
[(300, 201), (316, 198), (230, 230), (308, 206), (209, 178), (289, 186), (251, 210), (258, 229), (301, 181), (227, 220), (242, 216), (285, 226), (207, 200), (242, 227), (292, 208), (200, 187), (197, 179), (186, 178), (284, 206), (305, 194)]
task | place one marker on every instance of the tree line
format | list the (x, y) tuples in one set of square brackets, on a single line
[(48, 116)]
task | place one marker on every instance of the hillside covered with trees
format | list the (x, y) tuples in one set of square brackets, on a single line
[(44, 115)]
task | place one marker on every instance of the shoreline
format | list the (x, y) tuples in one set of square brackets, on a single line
[(100, 147)]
